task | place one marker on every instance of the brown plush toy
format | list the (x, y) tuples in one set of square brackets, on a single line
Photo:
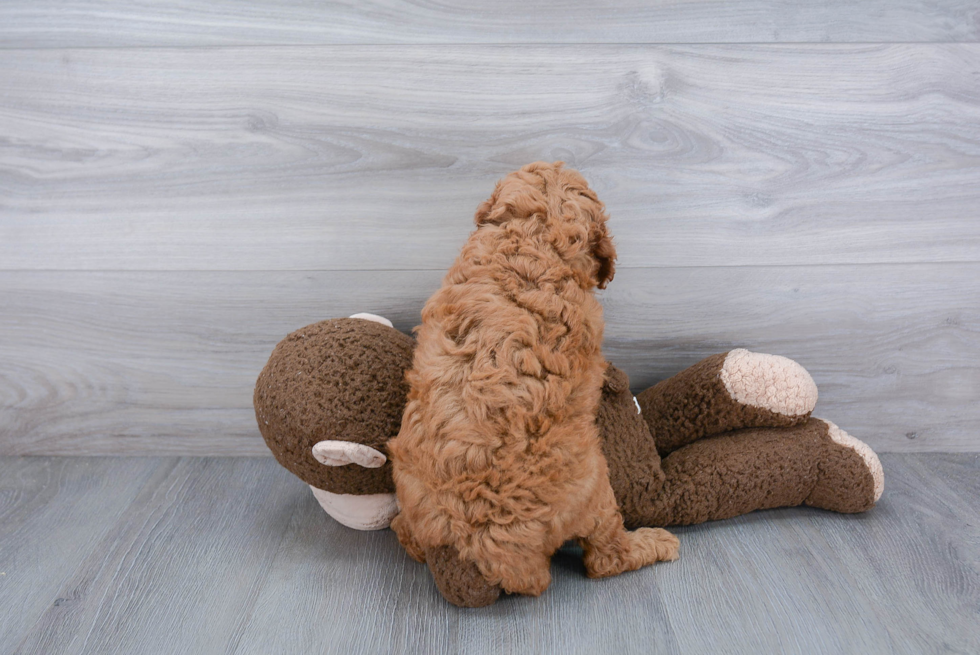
[(727, 436), (327, 402)]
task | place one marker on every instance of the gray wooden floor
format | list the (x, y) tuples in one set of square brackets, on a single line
[(182, 184), (199, 555)]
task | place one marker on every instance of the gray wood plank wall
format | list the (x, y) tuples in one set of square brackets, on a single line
[(180, 186), (97, 23)]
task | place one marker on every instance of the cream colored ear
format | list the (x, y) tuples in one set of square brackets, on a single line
[(372, 317), (341, 453)]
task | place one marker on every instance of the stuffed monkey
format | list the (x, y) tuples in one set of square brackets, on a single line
[(727, 436)]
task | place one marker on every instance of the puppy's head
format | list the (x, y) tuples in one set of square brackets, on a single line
[(560, 201)]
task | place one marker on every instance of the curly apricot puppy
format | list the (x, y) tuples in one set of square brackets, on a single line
[(498, 454)]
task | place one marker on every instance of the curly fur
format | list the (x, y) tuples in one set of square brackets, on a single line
[(498, 454)]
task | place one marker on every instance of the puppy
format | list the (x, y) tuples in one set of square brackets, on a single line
[(498, 455)]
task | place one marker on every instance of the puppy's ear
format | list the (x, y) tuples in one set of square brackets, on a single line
[(605, 254)]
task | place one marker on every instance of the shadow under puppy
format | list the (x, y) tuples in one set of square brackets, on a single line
[(498, 458)]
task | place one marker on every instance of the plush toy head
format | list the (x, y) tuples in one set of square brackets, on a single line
[(330, 398)]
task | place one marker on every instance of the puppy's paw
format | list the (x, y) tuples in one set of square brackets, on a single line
[(655, 544), (638, 549)]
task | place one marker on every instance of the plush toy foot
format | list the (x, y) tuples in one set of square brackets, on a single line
[(459, 582), (814, 463), (725, 392), (851, 478), (769, 382)]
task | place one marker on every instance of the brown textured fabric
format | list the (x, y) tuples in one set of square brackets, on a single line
[(846, 484), (695, 404), (630, 452), (459, 582), (344, 379), (339, 379), (760, 468)]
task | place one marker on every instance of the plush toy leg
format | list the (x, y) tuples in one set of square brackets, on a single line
[(843, 481), (460, 582), (719, 477), (725, 392)]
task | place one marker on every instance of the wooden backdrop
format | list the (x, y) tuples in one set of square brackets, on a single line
[(181, 184)]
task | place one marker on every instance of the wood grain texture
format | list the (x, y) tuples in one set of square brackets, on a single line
[(44, 23), (165, 362), (310, 158), (899, 573), (53, 514), (179, 567), (235, 556)]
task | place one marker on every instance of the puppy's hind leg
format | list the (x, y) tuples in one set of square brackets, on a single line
[(519, 569), (405, 536), (611, 550)]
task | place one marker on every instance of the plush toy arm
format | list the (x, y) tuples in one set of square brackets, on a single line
[(460, 582), (725, 392), (815, 463), (630, 452)]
